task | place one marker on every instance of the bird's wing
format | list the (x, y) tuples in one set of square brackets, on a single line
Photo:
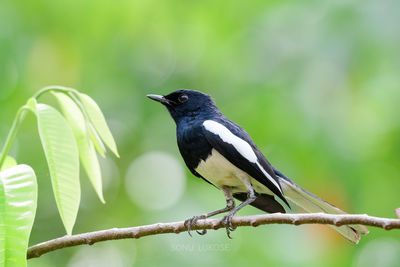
[(238, 149)]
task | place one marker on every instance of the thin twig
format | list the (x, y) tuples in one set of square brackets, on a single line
[(178, 227), (397, 211)]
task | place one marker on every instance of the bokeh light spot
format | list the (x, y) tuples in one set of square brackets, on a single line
[(155, 180)]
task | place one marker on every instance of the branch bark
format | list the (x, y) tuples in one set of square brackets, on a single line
[(178, 227)]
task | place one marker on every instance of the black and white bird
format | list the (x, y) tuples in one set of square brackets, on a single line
[(219, 151)]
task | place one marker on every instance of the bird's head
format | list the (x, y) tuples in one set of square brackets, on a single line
[(186, 103)]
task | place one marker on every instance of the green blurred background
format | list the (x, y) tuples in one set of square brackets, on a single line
[(315, 83)]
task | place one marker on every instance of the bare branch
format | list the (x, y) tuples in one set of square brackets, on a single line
[(178, 227)]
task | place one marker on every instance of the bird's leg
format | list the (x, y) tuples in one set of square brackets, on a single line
[(227, 219), (230, 204)]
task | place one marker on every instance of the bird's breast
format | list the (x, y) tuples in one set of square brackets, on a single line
[(220, 172)]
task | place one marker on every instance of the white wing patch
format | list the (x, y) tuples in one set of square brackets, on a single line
[(227, 136), (238, 143)]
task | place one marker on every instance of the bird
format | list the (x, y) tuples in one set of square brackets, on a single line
[(223, 154)]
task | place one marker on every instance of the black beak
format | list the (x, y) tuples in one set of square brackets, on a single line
[(159, 98)]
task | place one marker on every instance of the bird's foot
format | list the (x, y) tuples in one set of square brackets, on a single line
[(192, 221), (227, 221)]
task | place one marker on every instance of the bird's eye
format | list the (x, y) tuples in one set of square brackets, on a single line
[(183, 98)]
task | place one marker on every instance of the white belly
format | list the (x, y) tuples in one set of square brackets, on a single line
[(220, 172)]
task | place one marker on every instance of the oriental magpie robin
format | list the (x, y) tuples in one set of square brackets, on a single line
[(219, 151)]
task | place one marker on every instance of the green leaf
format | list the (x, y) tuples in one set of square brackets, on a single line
[(18, 199), (8, 163), (99, 122), (62, 157), (98, 144), (87, 153)]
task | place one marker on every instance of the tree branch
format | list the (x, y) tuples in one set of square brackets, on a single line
[(178, 227)]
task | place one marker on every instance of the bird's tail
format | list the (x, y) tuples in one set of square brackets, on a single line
[(311, 203)]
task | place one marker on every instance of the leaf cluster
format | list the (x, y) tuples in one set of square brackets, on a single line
[(69, 138)]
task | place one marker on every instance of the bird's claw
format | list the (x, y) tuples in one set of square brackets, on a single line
[(227, 221), (192, 221), (202, 232)]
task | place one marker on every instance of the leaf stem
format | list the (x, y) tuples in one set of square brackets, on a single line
[(56, 88), (11, 135)]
